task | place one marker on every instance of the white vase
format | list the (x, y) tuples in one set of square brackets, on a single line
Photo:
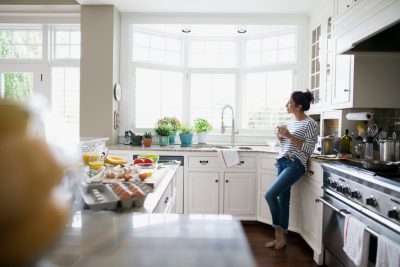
[(202, 138)]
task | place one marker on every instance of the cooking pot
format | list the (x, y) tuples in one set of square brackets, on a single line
[(377, 165), (386, 149)]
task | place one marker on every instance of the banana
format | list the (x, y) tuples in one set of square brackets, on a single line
[(113, 160)]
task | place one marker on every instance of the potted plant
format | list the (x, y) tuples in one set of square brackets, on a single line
[(163, 131), (186, 136), (174, 123), (147, 139), (202, 127)]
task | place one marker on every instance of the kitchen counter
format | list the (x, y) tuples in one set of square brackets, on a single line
[(194, 148), (168, 240)]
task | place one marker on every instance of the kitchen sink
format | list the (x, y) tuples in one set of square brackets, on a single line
[(222, 146)]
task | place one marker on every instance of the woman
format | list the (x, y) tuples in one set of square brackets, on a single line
[(298, 142)]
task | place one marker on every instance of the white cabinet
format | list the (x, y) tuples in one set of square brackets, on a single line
[(203, 192), (310, 211), (239, 192), (343, 78), (212, 189), (166, 203)]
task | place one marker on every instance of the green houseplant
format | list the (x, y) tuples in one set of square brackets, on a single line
[(147, 139), (202, 127), (163, 131), (186, 136), (174, 123)]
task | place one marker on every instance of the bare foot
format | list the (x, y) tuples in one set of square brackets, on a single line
[(270, 244), (280, 238)]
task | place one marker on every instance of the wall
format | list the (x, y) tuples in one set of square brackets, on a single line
[(99, 70)]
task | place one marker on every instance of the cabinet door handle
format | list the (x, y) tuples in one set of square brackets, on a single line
[(348, 6), (311, 172), (203, 162), (216, 180), (166, 200), (226, 181), (346, 90), (240, 162)]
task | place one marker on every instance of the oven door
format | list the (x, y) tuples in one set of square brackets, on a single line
[(335, 207)]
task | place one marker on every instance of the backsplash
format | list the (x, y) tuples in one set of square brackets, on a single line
[(388, 119)]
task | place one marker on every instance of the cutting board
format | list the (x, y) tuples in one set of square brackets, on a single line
[(156, 177)]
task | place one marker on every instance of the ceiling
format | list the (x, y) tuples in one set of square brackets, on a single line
[(210, 6)]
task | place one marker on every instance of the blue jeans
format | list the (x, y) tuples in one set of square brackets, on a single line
[(278, 194)]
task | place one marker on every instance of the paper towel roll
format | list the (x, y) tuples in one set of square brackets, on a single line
[(359, 116)]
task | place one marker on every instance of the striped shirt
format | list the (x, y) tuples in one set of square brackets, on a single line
[(306, 131)]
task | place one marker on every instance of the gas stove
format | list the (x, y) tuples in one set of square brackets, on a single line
[(376, 192)]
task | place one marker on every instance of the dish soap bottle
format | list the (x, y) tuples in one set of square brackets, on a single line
[(345, 143)]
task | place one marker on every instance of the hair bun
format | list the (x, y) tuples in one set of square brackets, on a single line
[(309, 96)]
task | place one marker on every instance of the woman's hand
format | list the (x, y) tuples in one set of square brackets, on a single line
[(283, 132)]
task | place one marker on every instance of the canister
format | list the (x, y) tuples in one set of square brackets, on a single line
[(386, 149)]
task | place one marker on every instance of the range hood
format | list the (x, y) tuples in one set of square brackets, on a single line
[(387, 40), (370, 26)]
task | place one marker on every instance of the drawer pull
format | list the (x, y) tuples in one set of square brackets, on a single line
[(226, 181), (240, 162), (346, 90), (166, 200), (311, 172), (203, 162), (216, 180)]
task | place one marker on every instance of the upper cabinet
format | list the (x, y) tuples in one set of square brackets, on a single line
[(321, 56)]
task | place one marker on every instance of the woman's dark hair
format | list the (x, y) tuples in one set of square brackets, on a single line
[(303, 98)]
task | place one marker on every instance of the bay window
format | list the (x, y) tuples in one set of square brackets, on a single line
[(191, 76)]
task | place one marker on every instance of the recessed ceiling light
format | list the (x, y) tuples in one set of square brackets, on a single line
[(242, 31), (185, 30)]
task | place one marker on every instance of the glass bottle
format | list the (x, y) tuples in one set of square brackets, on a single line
[(345, 143)]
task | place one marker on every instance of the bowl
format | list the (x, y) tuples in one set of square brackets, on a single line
[(150, 156)]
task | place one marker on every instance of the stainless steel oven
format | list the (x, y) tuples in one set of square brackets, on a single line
[(364, 196)]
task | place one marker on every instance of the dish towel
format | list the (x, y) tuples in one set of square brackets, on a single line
[(228, 157), (388, 254), (356, 241)]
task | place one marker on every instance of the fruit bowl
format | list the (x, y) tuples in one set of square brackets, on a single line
[(150, 156)]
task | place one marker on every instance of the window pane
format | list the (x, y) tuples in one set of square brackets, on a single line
[(157, 56), (17, 85), (62, 37), (17, 43), (65, 95), (210, 53), (253, 58), (173, 45), (253, 45), (157, 94), (270, 43), (140, 39), (75, 51), (265, 96), (208, 94), (62, 51), (286, 55), (286, 40), (157, 42), (269, 57), (75, 37), (141, 54)]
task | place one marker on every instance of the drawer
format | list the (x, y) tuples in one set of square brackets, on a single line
[(246, 163), (164, 200), (204, 162), (268, 163)]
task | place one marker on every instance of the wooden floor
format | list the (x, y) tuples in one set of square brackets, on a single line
[(296, 254)]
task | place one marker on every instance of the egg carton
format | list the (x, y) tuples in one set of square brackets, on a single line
[(131, 193), (99, 197)]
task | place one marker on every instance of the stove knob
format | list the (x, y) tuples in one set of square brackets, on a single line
[(393, 213), (334, 184), (355, 194), (346, 190), (339, 188), (371, 201)]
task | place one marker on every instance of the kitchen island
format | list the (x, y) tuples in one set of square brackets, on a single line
[(169, 240)]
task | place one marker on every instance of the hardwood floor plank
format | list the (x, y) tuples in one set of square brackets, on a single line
[(296, 254)]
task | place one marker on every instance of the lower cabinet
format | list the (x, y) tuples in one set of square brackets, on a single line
[(237, 189), (167, 202), (204, 192)]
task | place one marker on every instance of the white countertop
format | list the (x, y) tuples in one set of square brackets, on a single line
[(195, 148)]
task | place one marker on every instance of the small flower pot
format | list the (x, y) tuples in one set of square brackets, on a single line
[(186, 139), (172, 138), (147, 142), (164, 140), (202, 138)]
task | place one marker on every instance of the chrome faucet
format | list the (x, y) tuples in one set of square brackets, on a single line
[(233, 124)]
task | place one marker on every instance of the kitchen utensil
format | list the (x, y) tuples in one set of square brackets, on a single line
[(372, 130), (377, 165)]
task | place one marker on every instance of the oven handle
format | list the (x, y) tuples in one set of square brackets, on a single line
[(343, 213)]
